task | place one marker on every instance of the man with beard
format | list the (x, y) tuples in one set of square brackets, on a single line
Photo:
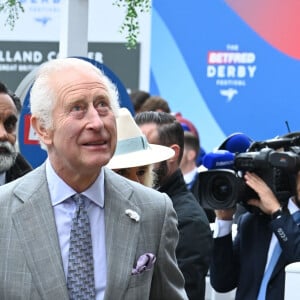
[(12, 164), (194, 247)]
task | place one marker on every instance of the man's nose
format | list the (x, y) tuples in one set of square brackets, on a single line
[(94, 120), (3, 133)]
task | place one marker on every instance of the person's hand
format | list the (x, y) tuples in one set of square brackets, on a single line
[(267, 201), (225, 214)]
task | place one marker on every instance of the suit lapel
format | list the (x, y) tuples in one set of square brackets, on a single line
[(262, 243), (36, 228), (121, 235)]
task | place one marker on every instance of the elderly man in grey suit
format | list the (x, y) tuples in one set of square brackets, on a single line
[(71, 228)]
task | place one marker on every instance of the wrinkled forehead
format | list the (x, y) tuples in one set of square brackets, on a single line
[(74, 80), (77, 74), (6, 104)]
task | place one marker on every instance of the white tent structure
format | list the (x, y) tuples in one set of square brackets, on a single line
[(74, 33)]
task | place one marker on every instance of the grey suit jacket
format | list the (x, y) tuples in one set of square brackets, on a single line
[(30, 260)]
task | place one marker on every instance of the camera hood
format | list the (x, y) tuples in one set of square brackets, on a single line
[(220, 188)]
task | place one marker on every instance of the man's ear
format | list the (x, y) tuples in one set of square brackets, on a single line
[(176, 148), (45, 135), (191, 154)]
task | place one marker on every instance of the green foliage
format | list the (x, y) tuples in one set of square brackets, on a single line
[(130, 26), (12, 8)]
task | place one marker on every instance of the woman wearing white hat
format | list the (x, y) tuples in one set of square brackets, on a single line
[(134, 156)]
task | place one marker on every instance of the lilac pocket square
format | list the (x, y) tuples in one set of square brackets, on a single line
[(144, 263)]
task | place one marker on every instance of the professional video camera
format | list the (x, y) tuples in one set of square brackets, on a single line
[(276, 161)]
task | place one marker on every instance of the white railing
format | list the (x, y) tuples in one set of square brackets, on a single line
[(292, 281)]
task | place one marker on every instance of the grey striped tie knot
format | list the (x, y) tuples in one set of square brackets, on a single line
[(80, 279)]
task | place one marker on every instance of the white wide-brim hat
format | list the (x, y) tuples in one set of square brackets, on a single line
[(133, 149)]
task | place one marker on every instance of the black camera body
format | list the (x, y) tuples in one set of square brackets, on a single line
[(223, 188)]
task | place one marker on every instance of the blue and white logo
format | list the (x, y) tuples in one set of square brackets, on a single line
[(42, 11)]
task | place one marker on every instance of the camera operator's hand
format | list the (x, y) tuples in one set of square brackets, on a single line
[(267, 201), (225, 214)]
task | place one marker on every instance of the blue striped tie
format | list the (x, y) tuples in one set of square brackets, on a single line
[(80, 278)]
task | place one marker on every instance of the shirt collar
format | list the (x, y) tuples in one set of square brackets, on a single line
[(292, 206), (60, 191), (189, 177)]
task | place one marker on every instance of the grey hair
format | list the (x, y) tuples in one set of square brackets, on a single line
[(43, 96), (150, 177)]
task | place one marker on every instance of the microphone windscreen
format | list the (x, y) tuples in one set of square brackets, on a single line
[(236, 143), (220, 159)]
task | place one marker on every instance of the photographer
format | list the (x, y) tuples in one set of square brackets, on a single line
[(246, 262)]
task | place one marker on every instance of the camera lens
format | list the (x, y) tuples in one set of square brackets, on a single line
[(221, 188)]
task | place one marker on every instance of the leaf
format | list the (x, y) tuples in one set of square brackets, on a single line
[(130, 27), (12, 8)]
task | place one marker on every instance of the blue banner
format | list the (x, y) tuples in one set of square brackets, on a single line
[(228, 66)]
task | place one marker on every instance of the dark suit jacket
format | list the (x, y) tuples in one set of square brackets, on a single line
[(31, 266), (241, 264), (194, 247), (19, 168)]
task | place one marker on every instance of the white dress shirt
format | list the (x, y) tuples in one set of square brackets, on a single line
[(64, 209), (190, 177)]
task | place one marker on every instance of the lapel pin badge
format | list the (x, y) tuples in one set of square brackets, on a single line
[(132, 214)]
